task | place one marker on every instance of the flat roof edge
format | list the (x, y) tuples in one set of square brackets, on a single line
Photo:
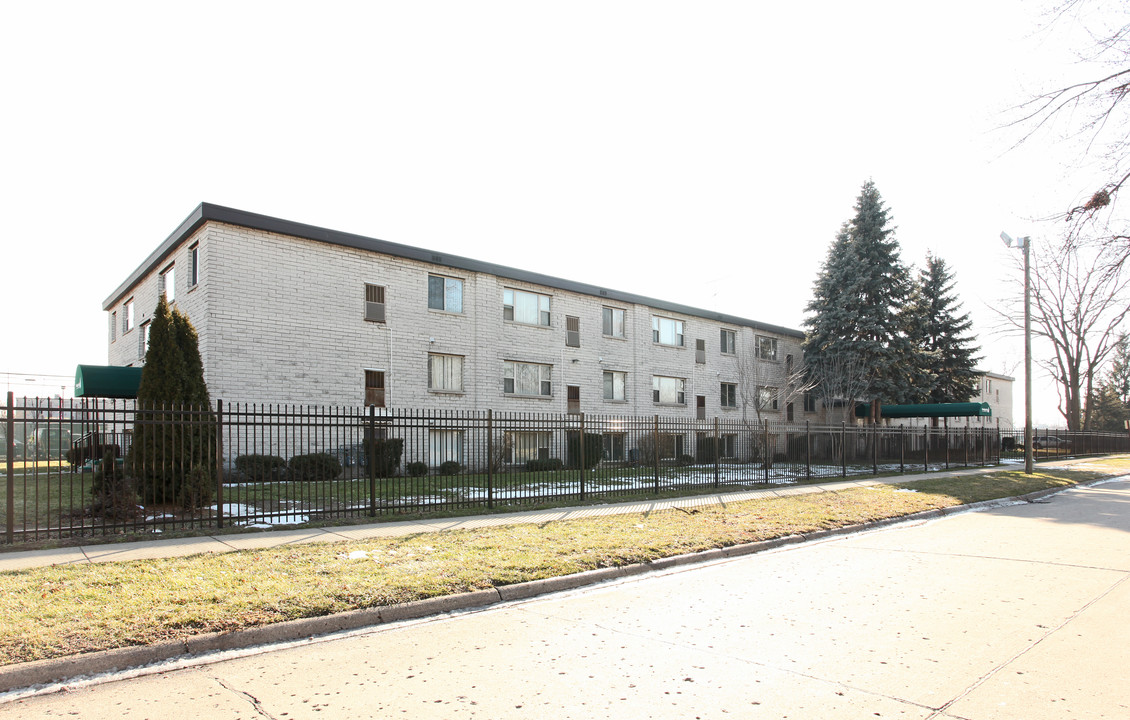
[(206, 212)]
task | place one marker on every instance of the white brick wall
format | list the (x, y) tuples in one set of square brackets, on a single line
[(281, 320)]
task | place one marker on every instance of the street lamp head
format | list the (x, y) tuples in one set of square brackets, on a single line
[(1007, 239)]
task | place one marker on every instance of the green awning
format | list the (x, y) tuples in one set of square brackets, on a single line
[(928, 410), (107, 381)]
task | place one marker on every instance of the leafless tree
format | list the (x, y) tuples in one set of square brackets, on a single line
[(1078, 305), (1092, 111), (839, 382)]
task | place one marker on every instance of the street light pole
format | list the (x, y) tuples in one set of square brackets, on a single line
[(1024, 243)]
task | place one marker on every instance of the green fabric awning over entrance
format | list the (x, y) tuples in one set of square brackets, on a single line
[(107, 381), (929, 410)]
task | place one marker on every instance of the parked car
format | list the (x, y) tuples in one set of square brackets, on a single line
[(1051, 443)]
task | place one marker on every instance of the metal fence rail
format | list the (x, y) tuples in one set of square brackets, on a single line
[(87, 468)]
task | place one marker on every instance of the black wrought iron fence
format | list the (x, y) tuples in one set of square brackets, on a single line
[(83, 468)]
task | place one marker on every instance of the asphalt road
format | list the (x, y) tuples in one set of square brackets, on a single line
[(1014, 612)]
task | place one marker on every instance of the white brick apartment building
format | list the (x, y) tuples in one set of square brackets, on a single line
[(291, 313)]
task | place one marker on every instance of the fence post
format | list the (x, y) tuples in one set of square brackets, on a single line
[(655, 455), (902, 448), (807, 451), (10, 428), (219, 463), (874, 449), (843, 449), (946, 432), (768, 455), (967, 443), (926, 447), (717, 455), (581, 452), (490, 458), (371, 459)]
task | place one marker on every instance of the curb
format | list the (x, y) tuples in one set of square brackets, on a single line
[(60, 670)]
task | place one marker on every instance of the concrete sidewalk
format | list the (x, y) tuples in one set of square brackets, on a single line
[(254, 539), (1013, 612)]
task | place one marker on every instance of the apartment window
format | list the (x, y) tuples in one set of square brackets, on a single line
[(668, 390), (789, 367), (374, 303), (809, 402), (445, 446), (572, 331), (614, 445), (525, 307), (445, 373), (113, 326), (700, 351), (612, 322), (445, 293), (727, 444), (729, 395), (728, 342), (526, 379), (670, 446), (766, 348), (767, 398), (193, 266), (614, 383), (375, 388), (167, 284), (526, 446), (666, 331), (143, 340), (573, 399), (788, 412), (127, 317)]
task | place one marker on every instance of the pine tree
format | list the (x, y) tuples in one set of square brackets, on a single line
[(939, 331), (170, 456), (858, 300)]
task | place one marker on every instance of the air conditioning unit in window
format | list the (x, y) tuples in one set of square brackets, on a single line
[(375, 311)]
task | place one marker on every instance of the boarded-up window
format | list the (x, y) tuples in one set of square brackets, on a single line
[(573, 404), (700, 351)]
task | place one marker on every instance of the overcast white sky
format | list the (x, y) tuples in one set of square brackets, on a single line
[(699, 152)]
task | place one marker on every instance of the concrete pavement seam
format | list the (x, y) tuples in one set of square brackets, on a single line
[(59, 670)]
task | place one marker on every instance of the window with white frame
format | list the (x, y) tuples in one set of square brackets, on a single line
[(193, 265), (729, 395), (766, 348), (525, 307), (127, 317), (519, 378), (445, 373), (767, 398), (143, 341), (168, 284), (614, 384), (612, 322), (526, 446), (375, 388), (374, 303), (809, 402), (445, 293), (666, 331), (668, 390), (445, 446), (727, 342)]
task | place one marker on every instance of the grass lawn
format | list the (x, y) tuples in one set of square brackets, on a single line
[(59, 611)]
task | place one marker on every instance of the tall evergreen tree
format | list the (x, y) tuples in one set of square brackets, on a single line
[(170, 455), (856, 311), (939, 331)]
